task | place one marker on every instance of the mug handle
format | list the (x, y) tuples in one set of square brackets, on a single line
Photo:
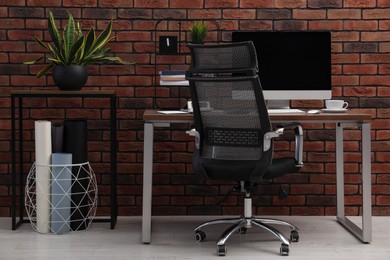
[(345, 105)]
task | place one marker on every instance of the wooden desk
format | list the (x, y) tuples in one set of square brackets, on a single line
[(341, 120)]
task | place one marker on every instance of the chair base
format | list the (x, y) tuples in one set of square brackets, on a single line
[(241, 224)]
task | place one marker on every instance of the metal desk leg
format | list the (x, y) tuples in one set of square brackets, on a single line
[(364, 233), (147, 183)]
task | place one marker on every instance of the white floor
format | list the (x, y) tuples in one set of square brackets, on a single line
[(172, 239)]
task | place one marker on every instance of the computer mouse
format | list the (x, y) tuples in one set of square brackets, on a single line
[(313, 111)]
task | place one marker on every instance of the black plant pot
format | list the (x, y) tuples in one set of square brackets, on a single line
[(70, 77)]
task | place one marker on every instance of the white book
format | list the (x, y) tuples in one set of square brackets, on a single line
[(174, 83)]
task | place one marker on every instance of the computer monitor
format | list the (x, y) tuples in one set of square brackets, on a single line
[(292, 65)]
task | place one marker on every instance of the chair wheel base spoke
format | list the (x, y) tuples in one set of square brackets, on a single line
[(221, 250), (284, 250), (294, 236)]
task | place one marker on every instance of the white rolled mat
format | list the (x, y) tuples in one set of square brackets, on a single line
[(42, 160)]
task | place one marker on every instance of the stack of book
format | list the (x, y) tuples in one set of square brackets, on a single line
[(173, 78)]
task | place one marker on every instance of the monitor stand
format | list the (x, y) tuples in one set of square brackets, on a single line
[(278, 104)]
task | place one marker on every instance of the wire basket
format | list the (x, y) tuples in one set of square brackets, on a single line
[(61, 198)]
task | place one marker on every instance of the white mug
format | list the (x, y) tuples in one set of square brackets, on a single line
[(335, 104)]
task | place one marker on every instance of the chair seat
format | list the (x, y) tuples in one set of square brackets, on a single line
[(280, 167)]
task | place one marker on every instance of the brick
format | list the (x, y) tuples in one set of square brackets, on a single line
[(360, 69), (290, 25), (356, 25), (345, 36), (204, 14), (25, 12), (186, 4), (12, 3), (135, 13), (360, 47), (134, 36), (256, 3), (239, 14), (44, 3), (383, 91), (383, 3), (375, 80), (360, 91), (326, 25), (359, 3), (321, 200), (345, 58), (255, 25), (345, 80), (273, 14), (381, 124), (306, 189), (80, 3), (27, 81), (115, 3), (172, 14), (375, 36), (100, 13), (384, 68), (11, 69), (384, 47), (290, 3), (375, 58), (324, 3), (11, 23), (376, 14), (221, 3), (381, 145), (383, 200), (151, 3), (384, 25), (377, 102), (308, 14), (344, 14)]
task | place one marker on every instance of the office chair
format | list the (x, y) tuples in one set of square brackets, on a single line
[(233, 133)]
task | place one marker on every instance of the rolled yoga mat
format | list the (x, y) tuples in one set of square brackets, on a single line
[(60, 192), (42, 160), (57, 138), (75, 142)]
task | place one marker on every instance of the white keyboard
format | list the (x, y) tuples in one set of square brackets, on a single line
[(284, 111)]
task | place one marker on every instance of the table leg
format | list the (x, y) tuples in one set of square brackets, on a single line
[(364, 233), (147, 183)]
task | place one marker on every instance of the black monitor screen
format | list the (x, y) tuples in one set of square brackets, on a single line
[(291, 60)]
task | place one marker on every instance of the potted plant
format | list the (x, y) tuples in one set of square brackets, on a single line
[(71, 51), (198, 32)]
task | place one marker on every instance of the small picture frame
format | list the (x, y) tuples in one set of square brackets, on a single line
[(168, 44)]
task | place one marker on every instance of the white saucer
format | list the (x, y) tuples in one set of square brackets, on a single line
[(326, 110)]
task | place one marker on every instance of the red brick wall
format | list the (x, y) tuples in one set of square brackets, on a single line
[(361, 68)]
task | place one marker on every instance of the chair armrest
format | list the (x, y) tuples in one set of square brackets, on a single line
[(195, 133), (298, 139)]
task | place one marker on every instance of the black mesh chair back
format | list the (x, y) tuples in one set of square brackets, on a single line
[(236, 57), (229, 111)]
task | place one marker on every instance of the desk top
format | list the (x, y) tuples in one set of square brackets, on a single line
[(151, 115)]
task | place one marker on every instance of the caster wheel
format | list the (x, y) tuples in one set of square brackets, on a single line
[(221, 250), (200, 236), (294, 236), (284, 250), (242, 230)]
